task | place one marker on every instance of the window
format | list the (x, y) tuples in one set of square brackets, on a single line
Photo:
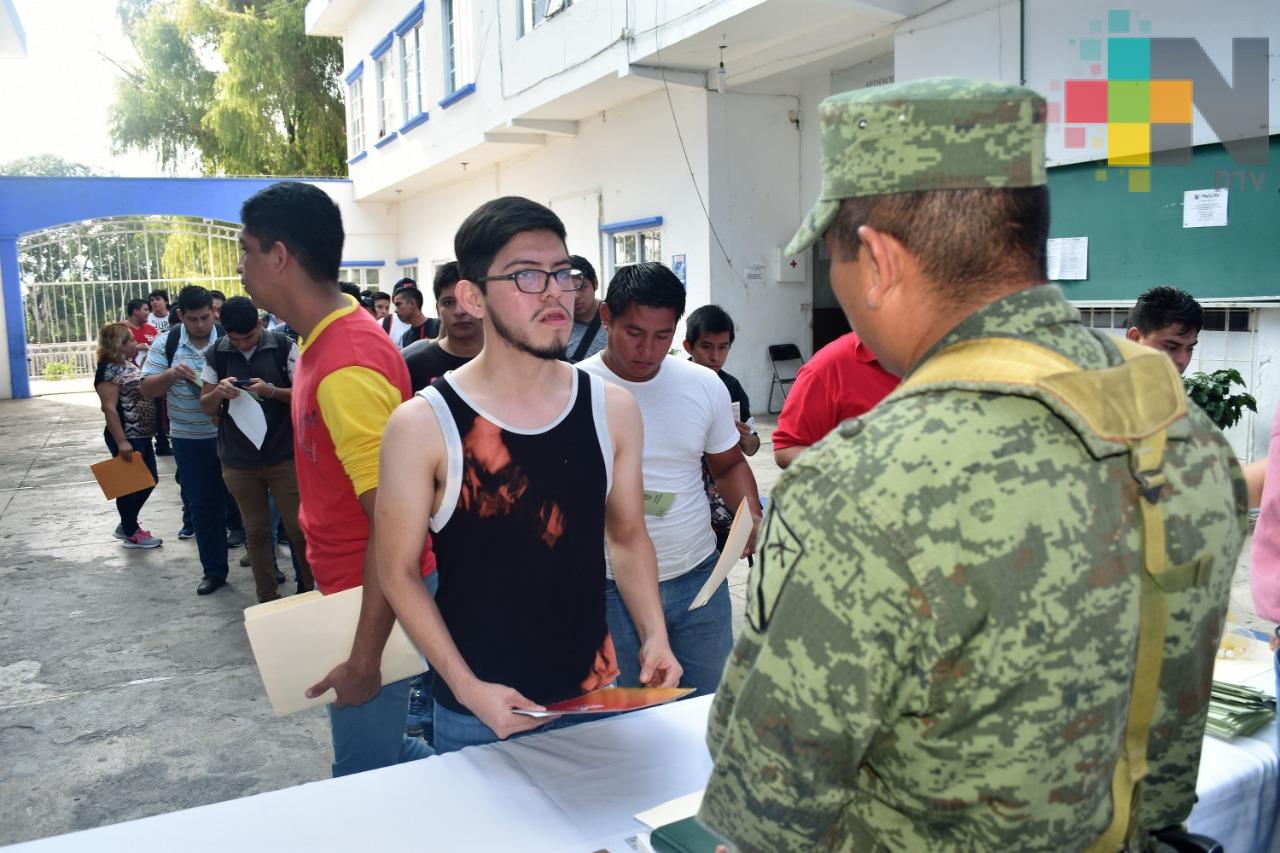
[(386, 97), (355, 111), (361, 277), (534, 12), (409, 271), (635, 247), (411, 72), (459, 70)]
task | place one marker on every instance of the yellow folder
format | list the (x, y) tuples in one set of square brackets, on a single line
[(298, 640), (119, 478)]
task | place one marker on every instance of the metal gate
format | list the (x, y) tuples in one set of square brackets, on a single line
[(75, 278)]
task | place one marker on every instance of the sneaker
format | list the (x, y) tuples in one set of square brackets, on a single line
[(235, 538), (186, 533), (119, 532), (142, 539)]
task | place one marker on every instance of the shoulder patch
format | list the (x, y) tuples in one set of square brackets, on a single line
[(781, 549)]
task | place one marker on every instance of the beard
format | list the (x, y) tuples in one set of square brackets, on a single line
[(549, 352)]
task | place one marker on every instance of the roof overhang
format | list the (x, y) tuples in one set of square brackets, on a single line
[(13, 38), (328, 17)]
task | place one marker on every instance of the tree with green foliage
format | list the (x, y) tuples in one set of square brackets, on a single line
[(236, 83), (46, 165)]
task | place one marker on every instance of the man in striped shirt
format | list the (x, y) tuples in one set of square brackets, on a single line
[(193, 434)]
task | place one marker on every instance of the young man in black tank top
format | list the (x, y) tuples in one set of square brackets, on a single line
[(528, 465)]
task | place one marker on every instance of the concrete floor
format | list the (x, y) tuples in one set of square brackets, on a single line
[(122, 694)]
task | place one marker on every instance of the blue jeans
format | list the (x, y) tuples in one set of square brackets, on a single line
[(700, 639), (369, 736), (455, 730), (202, 484)]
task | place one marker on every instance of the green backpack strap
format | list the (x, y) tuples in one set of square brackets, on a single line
[(1132, 403)]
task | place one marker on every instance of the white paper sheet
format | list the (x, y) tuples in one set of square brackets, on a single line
[(249, 418), (1204, 208), (739, 533), (1067, 258), (672, 810)]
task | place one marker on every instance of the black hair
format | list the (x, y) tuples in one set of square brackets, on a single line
[(650, 285), (965, 240), (378, 294), (447, 274), (304, 219), (1164, 306), (492, 225), (403, 283), (350, 289), (217, 294), (411, 292), (193, 297), (163, 294), (707, 320), (134, 304), (583, 266), (239, 315)]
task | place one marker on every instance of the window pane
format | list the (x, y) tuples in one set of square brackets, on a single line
[(652, 245), (624, 249), (371, 277)]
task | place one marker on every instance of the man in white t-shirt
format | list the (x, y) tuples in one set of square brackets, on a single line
[(391, 323), (686, 413)]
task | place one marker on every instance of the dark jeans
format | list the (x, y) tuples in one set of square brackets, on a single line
[(130, 505), (197, 460)]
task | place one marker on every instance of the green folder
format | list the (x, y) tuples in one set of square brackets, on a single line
[(683, 836)]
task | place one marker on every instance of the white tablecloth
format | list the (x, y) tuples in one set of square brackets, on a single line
[(1239, 784), (576, 789)]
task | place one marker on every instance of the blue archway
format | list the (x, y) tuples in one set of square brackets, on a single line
[(28, 205)]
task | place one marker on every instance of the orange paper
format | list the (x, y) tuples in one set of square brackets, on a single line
[(119, 478), (611, 700)]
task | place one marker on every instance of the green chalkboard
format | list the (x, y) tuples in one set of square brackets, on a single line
[(1136, 239)]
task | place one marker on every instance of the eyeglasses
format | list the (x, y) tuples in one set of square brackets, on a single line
[(537, 281)]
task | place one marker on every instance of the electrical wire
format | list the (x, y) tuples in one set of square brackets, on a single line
[(666, 87)]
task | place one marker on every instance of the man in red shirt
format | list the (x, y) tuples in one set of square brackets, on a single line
[(843, 380), (136, 312), (348, 379)]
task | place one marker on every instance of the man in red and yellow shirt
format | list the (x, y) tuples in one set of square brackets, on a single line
[(348, 380)]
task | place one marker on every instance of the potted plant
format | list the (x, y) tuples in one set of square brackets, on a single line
[(1212, 391)]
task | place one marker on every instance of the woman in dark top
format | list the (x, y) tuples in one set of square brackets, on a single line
[(131, 422)]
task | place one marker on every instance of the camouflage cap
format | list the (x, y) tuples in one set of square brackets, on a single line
[(940, 133)]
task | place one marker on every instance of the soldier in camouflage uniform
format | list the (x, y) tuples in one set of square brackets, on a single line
[(969, 601)]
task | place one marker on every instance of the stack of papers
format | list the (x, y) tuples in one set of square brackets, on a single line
[(1235, 711)]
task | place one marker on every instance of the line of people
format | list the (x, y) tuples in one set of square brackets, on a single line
[(971, 607)]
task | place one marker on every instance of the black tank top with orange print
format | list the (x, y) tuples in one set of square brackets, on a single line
[(519, 542)]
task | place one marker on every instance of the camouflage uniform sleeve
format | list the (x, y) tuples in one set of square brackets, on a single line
[(832, 626)]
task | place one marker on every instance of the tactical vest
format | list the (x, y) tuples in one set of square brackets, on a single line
[(1131, 404)]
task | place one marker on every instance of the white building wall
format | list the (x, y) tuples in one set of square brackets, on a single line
[(1266, 385), (756, 204), (630, 156), (370, 227)]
